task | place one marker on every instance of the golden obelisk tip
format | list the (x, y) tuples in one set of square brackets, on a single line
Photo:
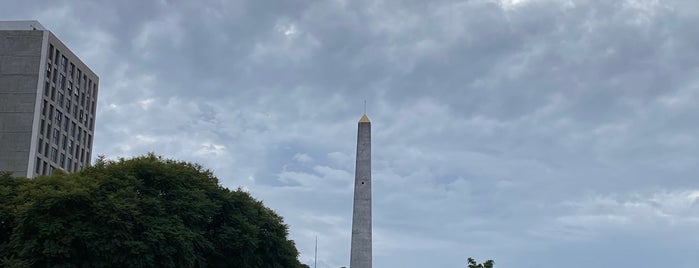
[(364, 119)]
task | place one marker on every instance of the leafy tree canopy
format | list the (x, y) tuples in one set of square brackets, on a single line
[(473, 264), (140, 212)]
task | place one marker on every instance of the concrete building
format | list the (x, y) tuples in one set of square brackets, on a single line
[(48, 98), (360, 256)]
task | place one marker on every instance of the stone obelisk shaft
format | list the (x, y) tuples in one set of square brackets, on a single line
[(361, 217)]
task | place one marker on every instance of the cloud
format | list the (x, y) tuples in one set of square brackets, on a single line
[(540, 133)]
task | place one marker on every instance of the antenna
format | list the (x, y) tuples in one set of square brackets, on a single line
[(315, 259)]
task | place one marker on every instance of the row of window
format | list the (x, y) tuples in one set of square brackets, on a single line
[(85, 102), (59, 134), (51, 149), (85, 97), (62, 62), (61, 158), (60, 79), (77, 132), (66, 143), (45, 168), (57, 76)]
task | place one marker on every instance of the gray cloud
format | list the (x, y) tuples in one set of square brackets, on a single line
[(540, 133)]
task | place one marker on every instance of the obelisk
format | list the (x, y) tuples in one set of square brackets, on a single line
[(360, 256)]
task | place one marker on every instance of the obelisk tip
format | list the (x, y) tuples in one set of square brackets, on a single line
[(364, 119)]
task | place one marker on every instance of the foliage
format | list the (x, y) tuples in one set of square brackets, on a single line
[(141, 212), (473, 264)]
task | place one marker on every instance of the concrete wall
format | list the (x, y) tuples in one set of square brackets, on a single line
[(20, 57)]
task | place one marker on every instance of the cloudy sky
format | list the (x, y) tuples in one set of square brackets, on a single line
[(539, 133)]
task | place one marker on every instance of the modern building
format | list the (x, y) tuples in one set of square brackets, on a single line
[(361, 254), (48, 98)]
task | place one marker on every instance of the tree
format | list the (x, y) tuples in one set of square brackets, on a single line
[(141, 212), (8, 208), (473, 264)]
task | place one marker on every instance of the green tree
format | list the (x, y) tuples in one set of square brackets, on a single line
[(473, 264), (141, 212), (8, 208)]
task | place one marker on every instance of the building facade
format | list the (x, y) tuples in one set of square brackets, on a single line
[(48, 99)]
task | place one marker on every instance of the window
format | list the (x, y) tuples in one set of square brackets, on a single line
[(71, 70), (55, 136), (68, 105), (50, 112), (79, 134), (66, 122), (84, 137), (59, 117), (60, 99), (43, 107), (75, 167), (46, 88), (70, 165), (46, 149), (53, 93), (92, 122), (62, 160), (63, 63), (65, 141), (61, 81), (93, 107), (37, 168), (50, 51), (82, 155), (41, 127), (72, 129), (55, 59), (41, 143), (80, 73), (43, 171), (54, 154), (55, 74), (70, 146), (51, 169), (48, 72), (80, 118), (89, 141)]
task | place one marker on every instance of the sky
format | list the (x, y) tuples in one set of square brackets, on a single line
[(538, 133)]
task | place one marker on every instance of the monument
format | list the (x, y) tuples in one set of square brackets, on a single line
[(360, 256)]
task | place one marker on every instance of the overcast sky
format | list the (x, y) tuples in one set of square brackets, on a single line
[(538, 133)]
